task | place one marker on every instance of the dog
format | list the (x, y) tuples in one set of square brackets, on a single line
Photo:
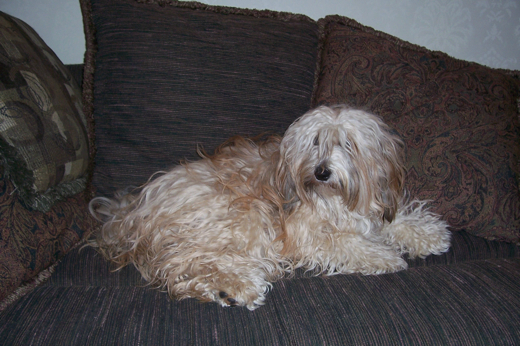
[(328, 196)]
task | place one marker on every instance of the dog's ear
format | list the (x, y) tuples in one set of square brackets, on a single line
[(391, 186), (390, 205), (284, 182)]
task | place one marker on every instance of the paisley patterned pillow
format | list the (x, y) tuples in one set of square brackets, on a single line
[(43, 138), (459, 121)]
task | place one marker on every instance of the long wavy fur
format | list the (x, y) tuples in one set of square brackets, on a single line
[(328, 196)]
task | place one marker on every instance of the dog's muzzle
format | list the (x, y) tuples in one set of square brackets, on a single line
[(322, 173)]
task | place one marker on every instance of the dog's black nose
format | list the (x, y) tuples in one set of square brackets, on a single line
[(322, 173)]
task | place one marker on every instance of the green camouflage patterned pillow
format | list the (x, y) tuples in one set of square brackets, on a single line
[(43, 139)]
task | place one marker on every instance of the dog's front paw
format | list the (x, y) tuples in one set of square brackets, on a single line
[(366, 257), (382, 263), (435, 242), (419, 233)]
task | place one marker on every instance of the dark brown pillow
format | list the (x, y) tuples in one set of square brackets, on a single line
[(43, 138), (173, 75), (459, 121)]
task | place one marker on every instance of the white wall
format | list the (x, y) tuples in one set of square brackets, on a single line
[(486, 31), (58, 22)]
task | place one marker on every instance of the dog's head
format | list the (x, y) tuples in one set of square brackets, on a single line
[(344, 152)]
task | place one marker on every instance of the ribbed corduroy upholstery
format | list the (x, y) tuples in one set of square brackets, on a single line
[(471, 303), (168, 79), (469, 296)]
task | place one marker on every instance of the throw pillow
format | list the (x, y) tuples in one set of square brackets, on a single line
[(459, 121), (43, 138)]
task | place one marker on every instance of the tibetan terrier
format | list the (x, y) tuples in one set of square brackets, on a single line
[(328, 196)]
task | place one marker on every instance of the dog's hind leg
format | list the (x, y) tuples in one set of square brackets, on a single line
[(228, 284)]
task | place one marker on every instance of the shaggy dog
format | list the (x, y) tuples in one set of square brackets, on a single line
[(327, 197)]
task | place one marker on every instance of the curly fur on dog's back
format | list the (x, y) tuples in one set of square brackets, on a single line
[(195, 216)]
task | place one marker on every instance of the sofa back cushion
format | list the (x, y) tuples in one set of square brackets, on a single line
[(169, 77), (459, 121)]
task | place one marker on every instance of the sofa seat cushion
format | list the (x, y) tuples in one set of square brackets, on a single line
[(171, 76), (472, 303), (459, 121)]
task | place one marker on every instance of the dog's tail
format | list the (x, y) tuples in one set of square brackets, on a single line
[(106, 209), (111, 212), (102, 208)]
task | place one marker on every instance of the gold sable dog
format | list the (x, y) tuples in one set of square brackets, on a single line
[(328, 197)]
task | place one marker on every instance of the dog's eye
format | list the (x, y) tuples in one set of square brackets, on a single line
[(316, 140)]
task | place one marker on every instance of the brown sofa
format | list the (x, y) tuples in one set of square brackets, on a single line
[(161, 77)]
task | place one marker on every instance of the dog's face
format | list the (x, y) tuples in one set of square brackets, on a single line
[(339, 151)]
